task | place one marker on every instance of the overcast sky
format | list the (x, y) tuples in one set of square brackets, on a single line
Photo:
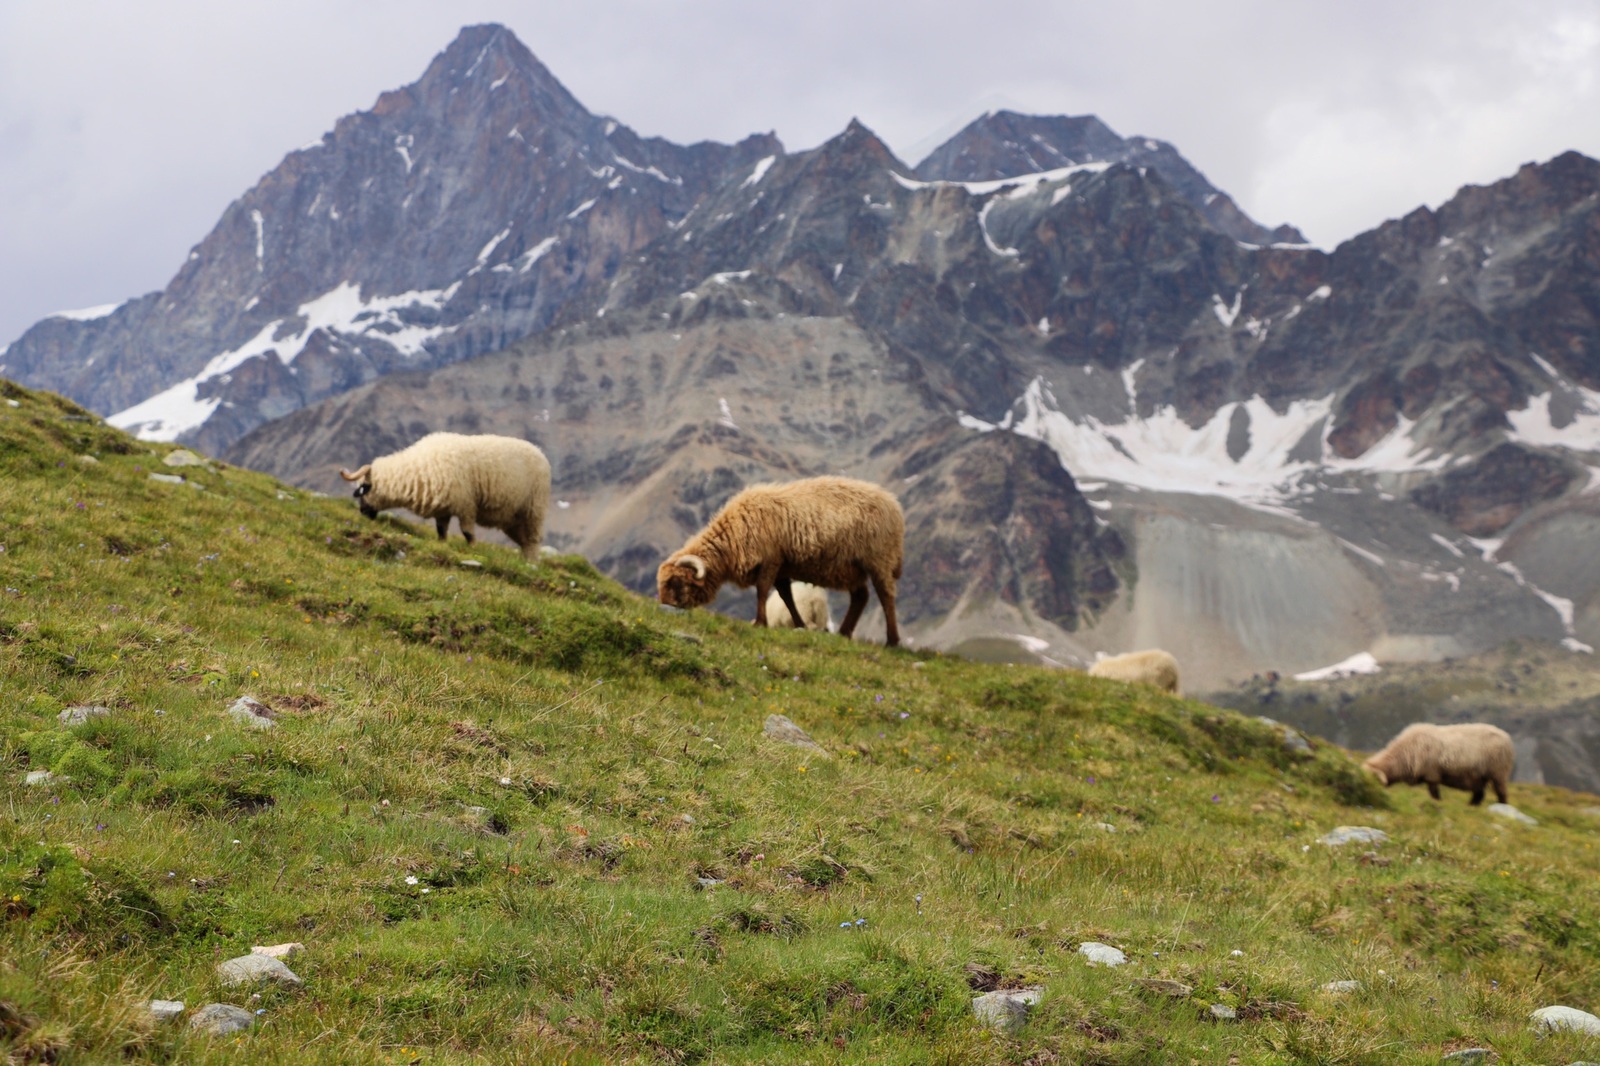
[(125, 129)]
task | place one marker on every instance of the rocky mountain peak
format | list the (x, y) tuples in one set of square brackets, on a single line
[(1005, 144)]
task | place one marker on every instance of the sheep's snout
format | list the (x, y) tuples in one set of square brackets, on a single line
[(1382, 778)]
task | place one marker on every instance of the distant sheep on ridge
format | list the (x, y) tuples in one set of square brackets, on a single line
[(1152, 667), (1471, 757), (499, 482), (830, 531)]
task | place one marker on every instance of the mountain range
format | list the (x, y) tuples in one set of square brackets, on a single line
[(1118, 411)]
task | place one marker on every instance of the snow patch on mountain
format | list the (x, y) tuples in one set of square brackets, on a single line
[(1164, 453), (179, 409), (89, 314)]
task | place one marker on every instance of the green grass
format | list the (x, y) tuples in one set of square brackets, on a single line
[(558, 763)]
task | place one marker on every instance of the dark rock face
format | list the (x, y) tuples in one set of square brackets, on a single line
[(1004, 144), (454, 217), (1485, 496)]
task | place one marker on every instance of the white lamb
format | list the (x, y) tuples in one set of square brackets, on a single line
[(813, 604), (499, 482)]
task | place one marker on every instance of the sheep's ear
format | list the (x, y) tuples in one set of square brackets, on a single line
[(695, 561), (358, 475)]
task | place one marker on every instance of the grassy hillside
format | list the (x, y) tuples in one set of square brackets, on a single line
[(518, 814)]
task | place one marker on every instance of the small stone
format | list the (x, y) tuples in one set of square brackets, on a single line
[(1505, 810), (709, 882), (1101, 954), (221, 1019), (1236, 953), (1104, 827), (918, 665), (183, 457), (251, 969), (1292, 740), (688, 638), (1564, 1020), (1342, 987), (88, 460), (247, 710), (168, 479), (78, 715), (38, 778), (165, 1010), (1221, 1012), (1006, 1010), (472, 564), (1470, 1056), (1353, 834), (784, 731), (1173, 989), (279, 951)]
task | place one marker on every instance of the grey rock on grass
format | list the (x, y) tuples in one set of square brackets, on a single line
[(1292, 740), (37, 778), (80, 714), (168, 479), (249, 711), (1007, 1009), (1353, 834), (1223, 1013), (278, 951), (253, 969), (1341, 987), (1101, 954), (1564, 1020), (1505, 810), (165, 1010), (784, 731), (183, 457), (221, 1019), (1470, 1056)]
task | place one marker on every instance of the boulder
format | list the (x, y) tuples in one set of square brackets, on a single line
[(253, 969), (78, 715), (1505, 810), (1353, 834), (1007, 1009), (1564, 1020), (221, 1019), (784, 731), (165, 1010), (249, 711), (1101, 954)]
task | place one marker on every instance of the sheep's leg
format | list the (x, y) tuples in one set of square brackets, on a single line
[(1477, 794), (1433, 789), (885, 590), (786, 594), (1500, 789), (858, 603), (443, 526), (765, 579), (534, 532), (469, 529)]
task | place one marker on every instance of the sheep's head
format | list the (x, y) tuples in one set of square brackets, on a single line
[(683, 581), (363, 493), (1370, 767)]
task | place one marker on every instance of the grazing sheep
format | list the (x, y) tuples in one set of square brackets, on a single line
[(1470, 757), (813, 604), (830, 531), (1153, 667), (500, 482)]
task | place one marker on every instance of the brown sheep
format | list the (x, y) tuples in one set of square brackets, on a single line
[(813, 604), (1152, 667), (500, 482), (833, 532), (1469, 757)]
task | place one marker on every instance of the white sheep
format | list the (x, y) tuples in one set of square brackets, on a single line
[(1471, 756), (499, 482), (813, 604), (1152, 667), (831, 531)]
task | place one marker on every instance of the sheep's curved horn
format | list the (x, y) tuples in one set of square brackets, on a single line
[(695, 561), (358, 475)]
